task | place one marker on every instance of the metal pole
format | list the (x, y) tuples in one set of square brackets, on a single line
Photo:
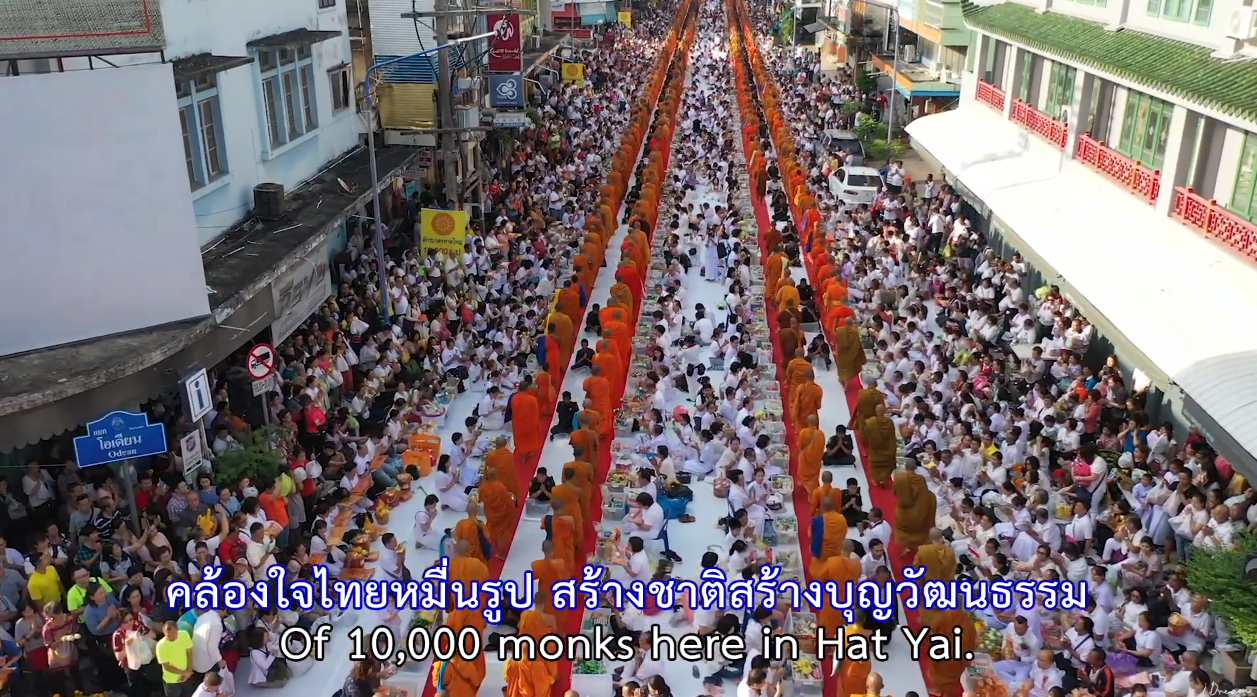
[(128, 489), (450, 145), (376, 219), (894, 81)]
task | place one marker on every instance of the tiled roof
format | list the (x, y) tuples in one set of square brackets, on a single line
[(1185, 70)]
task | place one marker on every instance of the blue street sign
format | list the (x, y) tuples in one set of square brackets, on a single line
[(117, 436), (506, 91)]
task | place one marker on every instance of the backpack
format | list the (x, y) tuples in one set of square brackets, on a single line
[(231, 549)]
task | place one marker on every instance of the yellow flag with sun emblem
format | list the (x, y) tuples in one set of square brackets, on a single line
[(574, 73), (445, 231)]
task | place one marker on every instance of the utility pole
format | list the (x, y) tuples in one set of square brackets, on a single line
[(894, 80), (450, 146)]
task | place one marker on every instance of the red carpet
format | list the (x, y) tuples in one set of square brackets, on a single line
[(880, 498)]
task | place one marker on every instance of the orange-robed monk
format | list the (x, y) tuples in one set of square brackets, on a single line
[(526, 424), (811, 444), (805, 402), (499, 511), (569, 302), (586, 437), (825, 492), (466, 568), (833, 537), (527, 677), (560, 327), (549, 570), (795, 370), (598, 390), (583, 478), (471, 531), (560, 529), (502, 461), (789, 338), (607, 361), (839, 568), (571, 494)]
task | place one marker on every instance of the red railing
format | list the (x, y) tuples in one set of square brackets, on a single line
[(991, 95), (1053, 131), (1142, 181), (1215, 221)]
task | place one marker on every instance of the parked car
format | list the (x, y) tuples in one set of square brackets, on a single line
[(855, 185), (835, 141)]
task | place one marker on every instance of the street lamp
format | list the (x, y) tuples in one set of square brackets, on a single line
[(375, 175)]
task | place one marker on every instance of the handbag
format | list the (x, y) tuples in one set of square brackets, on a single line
[(138, 649)]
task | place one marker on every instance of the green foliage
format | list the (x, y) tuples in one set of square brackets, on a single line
[(869, 130), (851, 108), (866, 81), (258, 459), (533, 115), (786, 33), (1218, 574)]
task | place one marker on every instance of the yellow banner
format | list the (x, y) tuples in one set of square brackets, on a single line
[(574, 73), (443, 230), (625, 18)]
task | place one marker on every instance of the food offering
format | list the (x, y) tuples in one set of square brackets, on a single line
[(807, 670)]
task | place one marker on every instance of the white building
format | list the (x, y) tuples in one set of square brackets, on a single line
[(1114, 143), (265, 93)]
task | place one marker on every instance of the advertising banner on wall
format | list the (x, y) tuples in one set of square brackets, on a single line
[(445, 231), (300, 291), (506, 91), (506, 48)]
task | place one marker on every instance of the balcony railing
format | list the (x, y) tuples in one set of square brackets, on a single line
[(1051, 130), (1215, 221), (990, 94), (1142, 181)]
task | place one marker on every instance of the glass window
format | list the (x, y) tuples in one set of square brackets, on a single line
[(185, 120), (289, 95), (339, 81), (1027, 75), (1196, 12), (202, 133), (1145, 129), (266, 61), (1092, 3), (324, 4), (1060, 89), (270, 97), (1244, 196)]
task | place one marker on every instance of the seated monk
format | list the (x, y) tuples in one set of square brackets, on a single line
[(915, 510), (881, 446)]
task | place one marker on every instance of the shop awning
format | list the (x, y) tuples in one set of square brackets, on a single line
[(1184, 302), (193, 67)]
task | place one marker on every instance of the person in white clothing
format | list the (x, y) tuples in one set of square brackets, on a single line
[(1021, 646), (206, 635), (426, 535), (262, 660), (637, 564)]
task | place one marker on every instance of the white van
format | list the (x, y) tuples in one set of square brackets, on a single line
[(855, 185)]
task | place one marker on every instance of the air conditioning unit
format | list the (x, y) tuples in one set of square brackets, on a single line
[(268, 201), (534, 42), (909, 54), (1243, 24)]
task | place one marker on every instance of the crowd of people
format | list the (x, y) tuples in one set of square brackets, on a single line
[(979, 405), (1011, 449)]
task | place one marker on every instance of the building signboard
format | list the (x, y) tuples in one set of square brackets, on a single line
[(300, 291)]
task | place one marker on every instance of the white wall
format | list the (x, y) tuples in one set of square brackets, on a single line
[(224, 28), (99, 236)]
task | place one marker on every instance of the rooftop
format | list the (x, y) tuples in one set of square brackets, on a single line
[(237, 267), (1185, 70)]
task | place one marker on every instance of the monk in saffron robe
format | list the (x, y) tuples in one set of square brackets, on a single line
[(561, 328), (586, 437), (465, 567), (561, 529), (621, 296), (914, 513), (795, 370), (945, 676), (805, 402), (620, 326), (458, 677), (774, 266), (840, 569), (866, 403), (546, 396), (848, 352), (569, 302), (549, 570), (873, 687), (471, 531), (829, 534), (607, 361), (825, 492), (598, 390), (570, 494), (811, 443), (787, 294), (853, 674), (501, 461), (526, 424), (584, 269), (457, 620), (528, 678), (499, 511), (789, 337), (583, 477), (880, 445), (939, 560), (627, 274)]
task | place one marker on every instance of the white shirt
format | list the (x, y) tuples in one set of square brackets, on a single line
[(652, 518), (639, 567), (206, 634)]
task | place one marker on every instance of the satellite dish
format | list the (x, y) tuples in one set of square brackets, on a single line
[(344, 187)]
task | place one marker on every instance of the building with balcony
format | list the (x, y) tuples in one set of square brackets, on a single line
[(1114, 144), (193, 122), (932, 42)]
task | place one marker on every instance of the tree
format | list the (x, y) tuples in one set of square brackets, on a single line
[(1218, 574), (259, 458)]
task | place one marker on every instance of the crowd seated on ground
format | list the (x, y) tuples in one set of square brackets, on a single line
[(1039, 457)]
